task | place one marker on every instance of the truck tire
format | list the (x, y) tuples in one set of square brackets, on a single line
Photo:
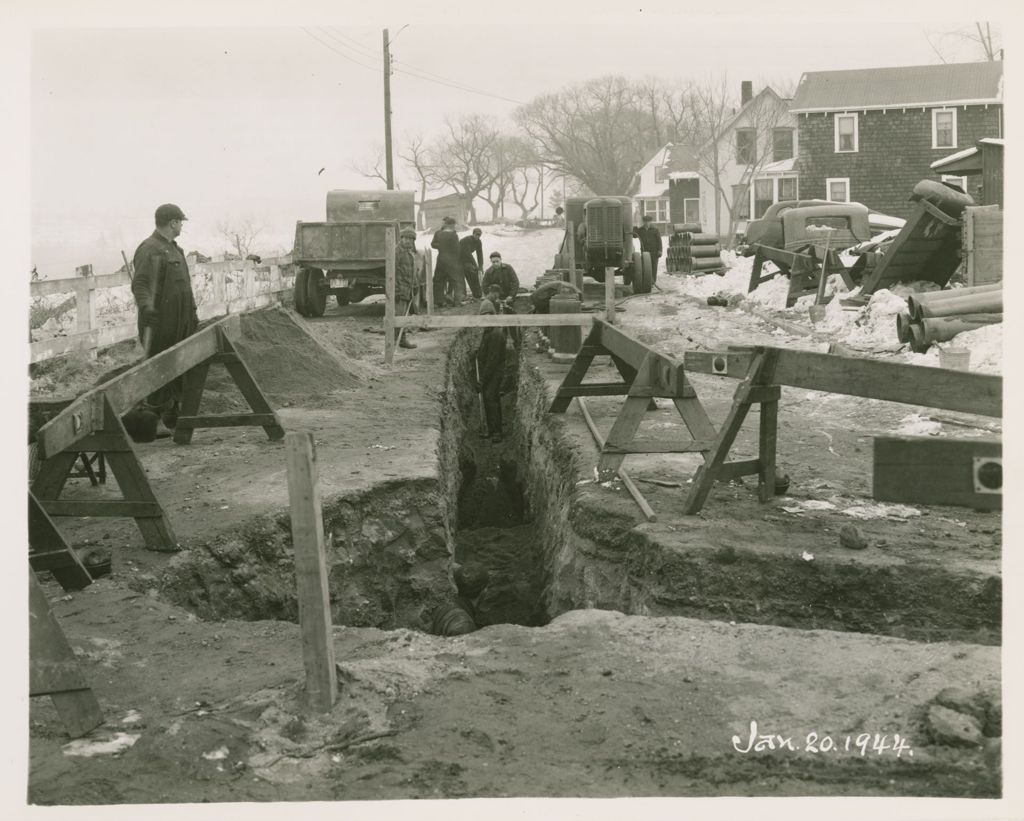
[(597, 272), (643, 274), (316, 297), (301, 286), (344, 297), (358, 292)]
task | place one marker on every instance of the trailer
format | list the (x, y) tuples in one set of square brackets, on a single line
[(344, 255)]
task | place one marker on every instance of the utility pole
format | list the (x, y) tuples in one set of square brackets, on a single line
[(387, 113), (540, 168)]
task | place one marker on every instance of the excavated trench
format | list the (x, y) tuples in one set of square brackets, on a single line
[(505, 534)]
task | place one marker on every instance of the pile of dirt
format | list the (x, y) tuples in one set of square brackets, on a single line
[(286, 361)]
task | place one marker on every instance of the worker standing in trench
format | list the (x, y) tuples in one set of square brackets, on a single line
[(166, 305), (490, 373)]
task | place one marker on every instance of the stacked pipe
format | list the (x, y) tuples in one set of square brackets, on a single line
[(690, 254), (938, 316)]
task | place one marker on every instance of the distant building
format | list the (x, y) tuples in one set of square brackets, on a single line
[(870, 135), (432, 212), (984, 161), (192, 257)]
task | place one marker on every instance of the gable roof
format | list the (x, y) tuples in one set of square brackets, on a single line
[(681, 158), (903, 86), (447, 199)]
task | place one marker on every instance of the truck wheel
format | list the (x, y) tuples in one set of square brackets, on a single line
[(316, 297), (358, 293), (344, 297), (643, 277), (597, 272), (301, 280)]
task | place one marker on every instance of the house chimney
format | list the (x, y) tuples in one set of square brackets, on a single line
[(746, 92)]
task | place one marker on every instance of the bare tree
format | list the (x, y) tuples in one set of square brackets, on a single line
[(597, 131), (372, 166), (979, 38), (240, 235), (710, 118), (463, 158), (416, 156)]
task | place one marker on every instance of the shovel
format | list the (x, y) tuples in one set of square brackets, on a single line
[(480, 400)]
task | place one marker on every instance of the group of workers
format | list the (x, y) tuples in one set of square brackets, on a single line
[(167, 313)]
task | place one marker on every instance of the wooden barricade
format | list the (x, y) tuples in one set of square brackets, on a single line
[(764, 370), (92, 423), (645, 374)]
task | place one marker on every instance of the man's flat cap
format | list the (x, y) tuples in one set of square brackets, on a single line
[(408, 232), (167, 212)]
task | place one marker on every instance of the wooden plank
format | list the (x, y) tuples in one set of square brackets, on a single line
[(101, 507), (597, 389), (733, 470), (609, 298), (98, 442), (641, 446), (492, 320), (872, 379), (49, 551), (63, 285), (246, 384), (191, 398), (226, 420), (311, 570), (53, 669), (389, 297), (580, 365), (933, 471), (627, 481)]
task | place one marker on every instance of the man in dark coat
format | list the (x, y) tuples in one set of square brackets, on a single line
[(502, 275), (650, 241), (446, 270), (468, 246), (163, 295), (490, 364), (405, 282)]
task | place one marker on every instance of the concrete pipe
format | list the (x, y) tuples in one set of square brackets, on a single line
[(705, 250), (942, 329), (705, 264), (903, 322), (917, 340), (990, 302)]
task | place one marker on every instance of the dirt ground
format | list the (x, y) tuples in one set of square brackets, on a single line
[(594, 704)]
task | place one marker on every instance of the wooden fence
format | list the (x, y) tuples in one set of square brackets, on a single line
[(89, 336)]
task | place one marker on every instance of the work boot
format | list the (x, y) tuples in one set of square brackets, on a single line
[(405, 343)]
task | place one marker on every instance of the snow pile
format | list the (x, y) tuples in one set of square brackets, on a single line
[(986, 347), (875, 324)]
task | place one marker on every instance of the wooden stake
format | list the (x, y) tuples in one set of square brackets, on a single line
[(311, 570), (389, 291), (609, 298)]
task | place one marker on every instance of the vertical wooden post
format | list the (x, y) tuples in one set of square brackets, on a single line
[(574, 277), (429, 284), (218, 286), (609, 297), (311, 571), (249, 280), (389, 295)]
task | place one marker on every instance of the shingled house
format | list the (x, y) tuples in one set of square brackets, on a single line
[(869, 135)]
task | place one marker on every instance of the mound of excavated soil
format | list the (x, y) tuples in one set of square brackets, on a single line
[(286, 361)]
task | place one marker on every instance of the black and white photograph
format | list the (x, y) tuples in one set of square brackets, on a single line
[(442, 409)]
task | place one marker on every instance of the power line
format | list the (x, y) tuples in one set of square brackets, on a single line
[(340, 53), (406, 68)]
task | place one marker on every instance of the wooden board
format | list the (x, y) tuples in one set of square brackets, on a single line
[(927, 470), (53, 669), (491, 320), (888, 381)]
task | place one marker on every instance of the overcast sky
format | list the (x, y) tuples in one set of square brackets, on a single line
[(232, 122)]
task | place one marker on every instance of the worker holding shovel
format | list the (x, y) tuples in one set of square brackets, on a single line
[(405, 282), (163, 294)]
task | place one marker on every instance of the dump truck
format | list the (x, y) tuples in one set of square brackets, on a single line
[(344, 255), (602, 242)]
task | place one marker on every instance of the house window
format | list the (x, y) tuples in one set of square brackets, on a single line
[(660, 173), (691, 211), (741, 201), (746, 146), (657, 208), (782, 144), (943, 128), (960, 182), (789, 189), (764, 195), (837, 189), (846, 133)]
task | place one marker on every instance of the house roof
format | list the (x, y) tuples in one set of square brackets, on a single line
[(903, 86), (447, 199), (969, 159), (682, 162)]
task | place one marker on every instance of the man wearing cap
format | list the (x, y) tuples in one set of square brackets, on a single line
[(468, 246), (405, 282), (490, 364), (502, 275), (163, 295), (650, 241), (446, 269)]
